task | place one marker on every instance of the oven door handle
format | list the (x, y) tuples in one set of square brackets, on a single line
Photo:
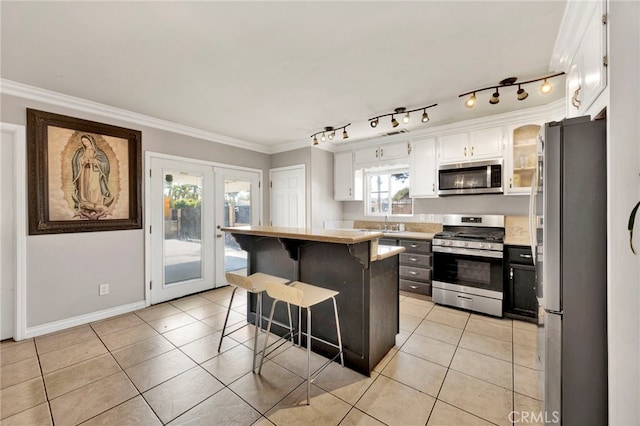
[(468, 252)]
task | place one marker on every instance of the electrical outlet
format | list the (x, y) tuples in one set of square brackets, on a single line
[(103, 289), (432, 218)]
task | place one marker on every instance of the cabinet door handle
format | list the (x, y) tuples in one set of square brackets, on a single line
[(381, 152), (349, 192), (526, 256), (510, 182), (510, 273), (413, 259), (413, 273), (574, 99), (472, 150), (465, 151), (414, 245), (433, 187), (413, 286)]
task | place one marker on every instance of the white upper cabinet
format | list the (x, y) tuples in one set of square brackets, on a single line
[(347, 182), (394, 153), (471, 146), (422, 170), (581, 51), (521, 157)]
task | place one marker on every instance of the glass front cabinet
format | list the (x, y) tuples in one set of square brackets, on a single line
[(521, 158)]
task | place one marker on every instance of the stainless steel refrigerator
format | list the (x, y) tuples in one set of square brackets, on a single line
[(571, 258)]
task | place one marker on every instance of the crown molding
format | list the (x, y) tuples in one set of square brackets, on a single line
[(13, 88)]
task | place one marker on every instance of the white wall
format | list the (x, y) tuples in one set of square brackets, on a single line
[(623, 162)]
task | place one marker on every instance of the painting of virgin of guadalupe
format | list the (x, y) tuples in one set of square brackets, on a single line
[(83, 176), (91, 167)]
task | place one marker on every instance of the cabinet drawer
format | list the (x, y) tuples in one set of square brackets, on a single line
[(415, 274), (521, 255), (415, 287), (415, 246), (413, 259)]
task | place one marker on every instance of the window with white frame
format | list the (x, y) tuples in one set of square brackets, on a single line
[(387, 192)]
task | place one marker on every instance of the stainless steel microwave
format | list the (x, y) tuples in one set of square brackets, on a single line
[(480, 177)]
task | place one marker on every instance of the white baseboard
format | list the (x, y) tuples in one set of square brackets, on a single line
[(51, 327)]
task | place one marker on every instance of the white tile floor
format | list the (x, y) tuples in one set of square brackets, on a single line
[(160, 365)]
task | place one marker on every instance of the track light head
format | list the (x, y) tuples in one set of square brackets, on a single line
[(374, 123), (546, 87), (315, 140), (394, 122), (344, 133), (522, 94), (323, 138), (495, 98), (471, 102), (425, 116), (406, 118)]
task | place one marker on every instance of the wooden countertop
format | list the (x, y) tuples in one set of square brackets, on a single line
[(410, 235), (340, 236), (388, 251)]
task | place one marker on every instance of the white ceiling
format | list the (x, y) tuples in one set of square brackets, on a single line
[(273, 73)]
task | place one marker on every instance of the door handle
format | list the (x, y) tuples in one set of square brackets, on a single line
[(218, 235)]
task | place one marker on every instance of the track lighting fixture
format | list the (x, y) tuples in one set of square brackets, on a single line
[(471, 102), (330, 133), (521, 94), (546, 87), (406, 117), (495, 98)]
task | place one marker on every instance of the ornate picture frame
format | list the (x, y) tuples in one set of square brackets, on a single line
[(83, 176)]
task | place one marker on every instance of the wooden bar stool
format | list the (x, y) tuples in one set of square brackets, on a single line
[(304, 296), (256, 284)]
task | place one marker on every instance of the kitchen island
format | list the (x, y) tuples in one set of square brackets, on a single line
[(351, 262)]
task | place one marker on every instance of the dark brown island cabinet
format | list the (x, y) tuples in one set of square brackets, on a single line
[(351, 262), (520, 284)]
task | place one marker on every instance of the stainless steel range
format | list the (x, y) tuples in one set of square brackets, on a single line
[(468, 263)]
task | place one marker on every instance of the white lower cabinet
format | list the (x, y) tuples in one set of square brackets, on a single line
[(347, 182), (422, 171)]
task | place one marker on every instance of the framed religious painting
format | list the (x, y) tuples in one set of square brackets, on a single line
[(83, 176)]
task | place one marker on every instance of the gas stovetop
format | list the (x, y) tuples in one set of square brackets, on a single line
[(471, 232), (495, 236)]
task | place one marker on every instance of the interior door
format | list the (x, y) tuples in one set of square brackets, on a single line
[(288, 197), (182, 239), (7, 240), (238, 203)]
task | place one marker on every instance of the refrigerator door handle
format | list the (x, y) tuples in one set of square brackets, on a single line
[(532, 216)]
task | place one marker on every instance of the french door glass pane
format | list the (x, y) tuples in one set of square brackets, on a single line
[(237, 212), (183, 251)]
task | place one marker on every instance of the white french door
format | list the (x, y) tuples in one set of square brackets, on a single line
[(182, 233), (237, 204)]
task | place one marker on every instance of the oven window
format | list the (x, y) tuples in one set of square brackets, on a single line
[(479, 272), (474, 271), (387, 193)]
